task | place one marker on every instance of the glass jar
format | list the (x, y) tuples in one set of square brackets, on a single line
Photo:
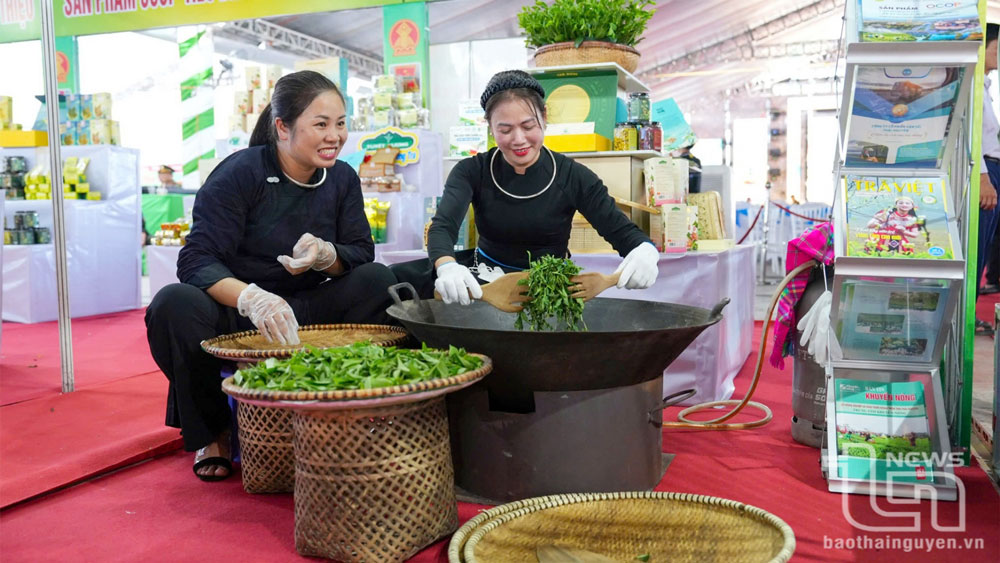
[(626, 137), (638, 107), (645, 137), (657, 133), (43, 235)]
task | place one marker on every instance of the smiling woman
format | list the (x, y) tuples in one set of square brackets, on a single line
[(279, 239)]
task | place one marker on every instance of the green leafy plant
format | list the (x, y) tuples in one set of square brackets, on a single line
[(359, 366), (549, 297), (616, 21)]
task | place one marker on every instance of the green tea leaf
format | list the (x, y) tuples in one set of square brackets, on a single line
[(548, 289)]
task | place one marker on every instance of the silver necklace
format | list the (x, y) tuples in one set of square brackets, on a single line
[(495, 183), (301, 185)]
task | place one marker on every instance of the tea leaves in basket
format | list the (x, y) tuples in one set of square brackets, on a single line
[(359, 366)]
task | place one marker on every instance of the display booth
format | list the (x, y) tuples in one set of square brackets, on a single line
[(900, 267)]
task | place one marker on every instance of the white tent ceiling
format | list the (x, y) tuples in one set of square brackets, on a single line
[(700, 52)]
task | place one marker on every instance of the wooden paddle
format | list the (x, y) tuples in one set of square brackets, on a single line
[(590, 284), (503, 292), (561, 554)]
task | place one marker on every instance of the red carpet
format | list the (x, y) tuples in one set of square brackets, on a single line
[(105, 348), (53, 441), (158, 511)]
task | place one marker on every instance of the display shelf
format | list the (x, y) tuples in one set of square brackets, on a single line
[(599, 154), (103, 256), (626, 80)]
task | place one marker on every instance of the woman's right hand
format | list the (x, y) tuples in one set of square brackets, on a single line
[(455, 283), (271, 314)]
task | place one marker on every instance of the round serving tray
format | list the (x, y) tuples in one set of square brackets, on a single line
[(251, 346), (669, 526), (357, 398)]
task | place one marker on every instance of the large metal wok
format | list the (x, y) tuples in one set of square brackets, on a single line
[(626, 342)]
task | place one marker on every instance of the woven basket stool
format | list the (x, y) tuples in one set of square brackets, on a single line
[(373, 484), (622, 526), (267, 460)]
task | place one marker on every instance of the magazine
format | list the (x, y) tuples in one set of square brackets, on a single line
[(918, 20), (900, 116), (893, 217), (882, 431), (891, 319)]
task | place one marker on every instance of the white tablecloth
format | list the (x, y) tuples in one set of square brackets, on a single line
[(162, 264), (700, 279)]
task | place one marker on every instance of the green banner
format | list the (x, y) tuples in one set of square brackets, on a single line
[(20, 20), (68, 65), (406, 46)]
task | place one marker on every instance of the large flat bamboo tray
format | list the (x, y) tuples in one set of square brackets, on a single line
[(251, 346)]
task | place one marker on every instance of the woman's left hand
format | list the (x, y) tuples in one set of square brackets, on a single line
[(309, 252), (639, 268)]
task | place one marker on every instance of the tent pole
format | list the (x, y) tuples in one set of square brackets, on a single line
[(56, 179)]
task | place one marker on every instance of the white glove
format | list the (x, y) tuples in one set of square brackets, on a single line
[(815, 328), (309, 252), (455, 283), (271, 314), (639, 268)]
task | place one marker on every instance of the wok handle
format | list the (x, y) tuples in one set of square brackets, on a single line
[(394, 292), (717, 310), (669, 401)]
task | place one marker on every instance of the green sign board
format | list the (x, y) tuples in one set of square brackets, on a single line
[(406, 46), (582, 97), (20, 20), (393, 137)]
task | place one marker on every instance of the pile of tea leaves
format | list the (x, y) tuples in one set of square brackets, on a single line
[(359, 366), (550, 304)]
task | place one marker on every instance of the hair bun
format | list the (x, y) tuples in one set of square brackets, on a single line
[(508, 80)]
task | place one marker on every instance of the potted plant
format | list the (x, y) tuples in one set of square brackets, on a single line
[(586, 31)]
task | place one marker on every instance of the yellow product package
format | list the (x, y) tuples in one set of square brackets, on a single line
[(6, 110), (83, 132), (100, 131), (102, 105), (86, 107)]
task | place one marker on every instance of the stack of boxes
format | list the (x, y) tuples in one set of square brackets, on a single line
[(38, 185), (378, 171), (250, 102), (172, 234), (12, 173), (89, 120), (675, 229), (396, 102)]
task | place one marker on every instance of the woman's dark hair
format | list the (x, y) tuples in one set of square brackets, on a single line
[(292, 95), (992, 31), (513, 85)]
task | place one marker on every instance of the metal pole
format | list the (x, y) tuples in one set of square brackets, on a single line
[(763, 248), (58, 217)]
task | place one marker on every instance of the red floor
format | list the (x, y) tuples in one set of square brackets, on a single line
[(158, 511)]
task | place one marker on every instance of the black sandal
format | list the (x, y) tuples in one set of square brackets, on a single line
[(217, 461)]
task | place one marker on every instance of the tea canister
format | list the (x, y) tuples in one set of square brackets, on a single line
[(638, 107), (626, 137)]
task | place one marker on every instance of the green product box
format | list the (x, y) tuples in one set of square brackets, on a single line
[(578, 96)]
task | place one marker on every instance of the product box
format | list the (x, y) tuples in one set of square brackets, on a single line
[(6, 111), (100, 131), (252, 121), (86, 107), (260, 100), (660, 178), (273, 73), (116, 138), (241, 102), (238, 123), (83, 132), (68, 132), (471, 113), (253, 77), (656, 231), (693, 225), (675, 227), (102, 105), (382, 101), (577, 96), (73, 107), (468, 140), (590, 142)]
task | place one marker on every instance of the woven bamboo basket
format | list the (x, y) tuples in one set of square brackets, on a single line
[(622, 526), (267, 460), (373, 473), (589, 52)]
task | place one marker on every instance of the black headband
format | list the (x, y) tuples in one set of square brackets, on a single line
[(508, 80)]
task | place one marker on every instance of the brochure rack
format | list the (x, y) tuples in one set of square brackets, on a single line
[(900, 260)]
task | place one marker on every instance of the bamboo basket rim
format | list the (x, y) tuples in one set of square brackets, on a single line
[(218, 346), (588, 43), (410, 391), (461, 548)]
